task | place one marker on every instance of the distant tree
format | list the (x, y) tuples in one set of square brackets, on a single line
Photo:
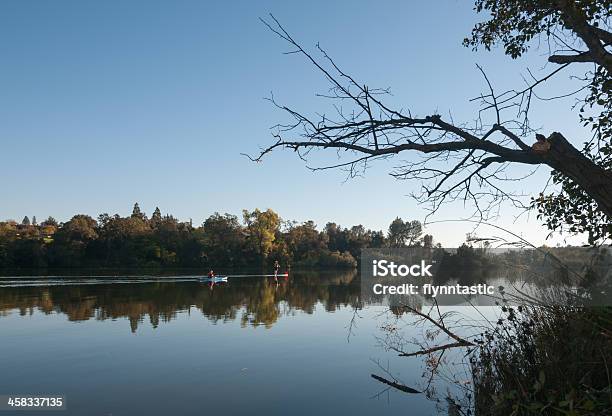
[(223, 239), (137, 213), (34, 220), (428, 241), (403, 233), (156, 218), (80, 228), (261, 227), (48, 230), (120, 228), (168, 235), (49, 226), (72, 240), (415, 230), (125, 241), (377, 239), (7, 229), (8, 234), (304, 241), (50, 221), (357, 238), (336, 236), (25, 221)]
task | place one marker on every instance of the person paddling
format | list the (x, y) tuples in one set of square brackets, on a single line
[(276, 268), (211, 274)]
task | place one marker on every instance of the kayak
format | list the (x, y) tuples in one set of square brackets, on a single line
[(214, 279)]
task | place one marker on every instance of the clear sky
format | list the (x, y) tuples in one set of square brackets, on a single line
[(103, 104)]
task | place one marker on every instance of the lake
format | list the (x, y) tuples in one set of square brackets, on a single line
[(173, 345)]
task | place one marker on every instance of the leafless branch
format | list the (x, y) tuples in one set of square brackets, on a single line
[(454, 161)]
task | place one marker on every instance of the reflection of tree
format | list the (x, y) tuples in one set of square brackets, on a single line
[(550, 347), (254, 301), (263, 307)]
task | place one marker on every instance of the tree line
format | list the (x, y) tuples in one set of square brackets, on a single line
[(223, 240)]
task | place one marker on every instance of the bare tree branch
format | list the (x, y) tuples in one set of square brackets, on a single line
[(453, 161), (395, 385)]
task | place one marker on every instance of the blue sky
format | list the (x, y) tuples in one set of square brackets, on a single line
[(106, 103)]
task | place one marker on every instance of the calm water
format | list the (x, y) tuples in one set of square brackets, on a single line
[(165, 347), (174, 346)]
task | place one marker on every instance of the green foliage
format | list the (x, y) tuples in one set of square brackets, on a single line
[(571, 209), (221, 242), (50, 221), (515, 24), (261, 228), (404, 233), (336, 259), (223, 239), (136, 213), (545, 360), (156, 218)]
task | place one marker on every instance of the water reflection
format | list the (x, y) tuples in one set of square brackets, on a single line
[(263, 301), (180, 363), (252, 301)]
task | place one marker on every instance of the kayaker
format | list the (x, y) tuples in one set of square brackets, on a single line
[(276, 268), (211, 274)]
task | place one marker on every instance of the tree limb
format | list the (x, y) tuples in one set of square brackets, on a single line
[(395, 385)]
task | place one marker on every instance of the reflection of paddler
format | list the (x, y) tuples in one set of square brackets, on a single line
[(211, 276)]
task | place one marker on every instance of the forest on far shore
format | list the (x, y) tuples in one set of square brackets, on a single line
[(221, 241)]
